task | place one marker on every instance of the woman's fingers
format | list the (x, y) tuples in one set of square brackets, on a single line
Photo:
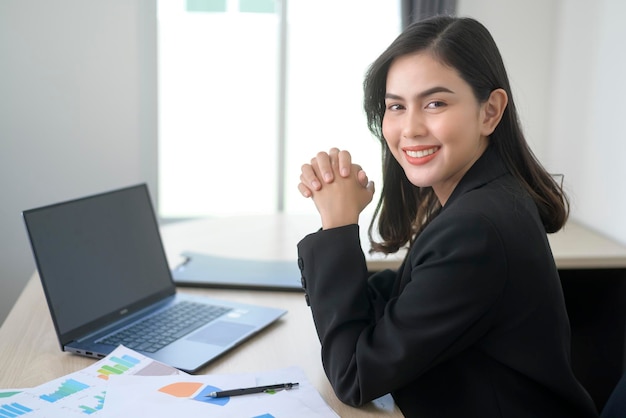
[(324, 167), (344, 163), (304, 190), (323, 164), (309, 181), (332, 163)]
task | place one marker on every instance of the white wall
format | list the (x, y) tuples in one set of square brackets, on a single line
[(524, 32), (588, 112), (77, 111), (567, 60)]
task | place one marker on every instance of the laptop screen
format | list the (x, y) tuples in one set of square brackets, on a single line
[(99, 257)]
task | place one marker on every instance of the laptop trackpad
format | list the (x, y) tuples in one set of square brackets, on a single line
[(221, 333)]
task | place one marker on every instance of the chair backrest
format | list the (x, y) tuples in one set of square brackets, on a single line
[(615, 406)]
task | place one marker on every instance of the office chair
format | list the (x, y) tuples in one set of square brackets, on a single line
[(615, 406)]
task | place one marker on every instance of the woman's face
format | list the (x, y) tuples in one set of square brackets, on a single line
[(433, 123)]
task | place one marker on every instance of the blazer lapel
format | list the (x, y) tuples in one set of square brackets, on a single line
[(486, 169)]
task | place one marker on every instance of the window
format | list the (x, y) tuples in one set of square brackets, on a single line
[(230, 140)]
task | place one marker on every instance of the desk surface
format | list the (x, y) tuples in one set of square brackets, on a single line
[(276, 236), (30, 355), (29, 352)]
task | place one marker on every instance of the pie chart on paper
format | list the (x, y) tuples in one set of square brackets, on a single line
[(189, 389)]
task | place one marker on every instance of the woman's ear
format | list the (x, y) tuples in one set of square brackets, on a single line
[(493, 109)]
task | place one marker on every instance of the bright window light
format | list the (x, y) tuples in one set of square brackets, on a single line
[(219, 98)]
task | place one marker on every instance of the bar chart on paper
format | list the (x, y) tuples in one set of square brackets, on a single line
[(117, 366), (81, 393), (13, 410), (67, 388), (96, 404)]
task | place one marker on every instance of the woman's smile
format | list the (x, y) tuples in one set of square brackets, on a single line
[(420, 155)]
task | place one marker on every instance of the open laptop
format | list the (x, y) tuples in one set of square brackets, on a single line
[(104, 270)]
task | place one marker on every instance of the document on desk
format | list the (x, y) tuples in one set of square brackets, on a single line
[(83, 392), (126, 383), (7, 393), (206, 270), (174, 396)]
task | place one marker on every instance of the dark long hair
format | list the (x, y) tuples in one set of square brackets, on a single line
[(467, 46)]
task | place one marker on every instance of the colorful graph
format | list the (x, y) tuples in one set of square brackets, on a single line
[(188, 389), (9, 393), (202, 396), (118, 366), (67, 388), (13, 410), (99, 400), (181, 389)]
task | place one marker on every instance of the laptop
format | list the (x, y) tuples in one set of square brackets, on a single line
[(105, 275)]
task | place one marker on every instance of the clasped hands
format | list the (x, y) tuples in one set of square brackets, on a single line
[(339, 188)]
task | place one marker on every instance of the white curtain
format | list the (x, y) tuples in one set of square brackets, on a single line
[(414, 10)]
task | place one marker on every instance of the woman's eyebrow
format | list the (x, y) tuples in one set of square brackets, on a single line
[(425, 93), (433, 90)]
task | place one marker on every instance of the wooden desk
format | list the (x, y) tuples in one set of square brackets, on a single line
[(30, 355), (275, 237)]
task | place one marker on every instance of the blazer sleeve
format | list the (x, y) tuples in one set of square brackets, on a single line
[(381, 286), (457, 272)]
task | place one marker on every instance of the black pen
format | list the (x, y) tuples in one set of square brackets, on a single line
[(256, 389)]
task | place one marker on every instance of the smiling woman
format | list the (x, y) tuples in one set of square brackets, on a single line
[(473, 323)]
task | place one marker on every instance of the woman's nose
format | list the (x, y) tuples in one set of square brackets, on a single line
[(413, 125)]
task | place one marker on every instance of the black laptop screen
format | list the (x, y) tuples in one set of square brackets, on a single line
[(98, 256)]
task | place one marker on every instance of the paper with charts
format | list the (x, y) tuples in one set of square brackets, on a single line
[(175, 396), (81, 393), (127, 384)]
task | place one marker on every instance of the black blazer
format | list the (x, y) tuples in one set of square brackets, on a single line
[(473, 324)]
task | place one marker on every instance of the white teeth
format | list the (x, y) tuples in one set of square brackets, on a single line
[(422, 153)]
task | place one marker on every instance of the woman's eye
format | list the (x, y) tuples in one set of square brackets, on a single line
[(435, 104), (394, 107)]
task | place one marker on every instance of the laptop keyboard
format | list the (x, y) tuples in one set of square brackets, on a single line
[(165, 327)]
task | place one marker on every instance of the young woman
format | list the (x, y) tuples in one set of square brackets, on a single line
[(473, 324)]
